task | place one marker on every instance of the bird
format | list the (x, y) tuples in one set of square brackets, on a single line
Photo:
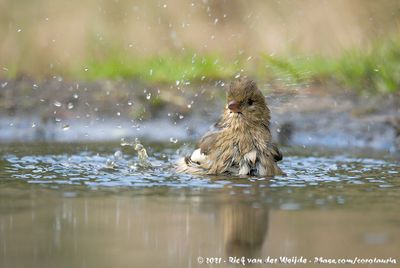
[(240, 143)]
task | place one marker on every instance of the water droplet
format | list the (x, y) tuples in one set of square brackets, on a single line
[(70, 106), (125, 142), (118, 155), (110, 163), (190, 105), (173, 140), (57, 104), (65, 127), (76, 96)]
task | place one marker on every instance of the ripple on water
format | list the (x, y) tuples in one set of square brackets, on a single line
[(94, 169)]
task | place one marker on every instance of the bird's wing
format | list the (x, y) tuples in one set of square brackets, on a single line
[(199, 155), (275, 151), (207, 141)]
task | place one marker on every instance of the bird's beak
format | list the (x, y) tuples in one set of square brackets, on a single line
[(234, 106)]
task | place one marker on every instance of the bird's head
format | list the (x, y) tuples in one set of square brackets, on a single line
[(245, 101)]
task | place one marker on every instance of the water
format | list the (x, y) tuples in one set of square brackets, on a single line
[(65, 205)]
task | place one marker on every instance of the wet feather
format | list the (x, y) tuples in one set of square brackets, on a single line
[(241, 142)]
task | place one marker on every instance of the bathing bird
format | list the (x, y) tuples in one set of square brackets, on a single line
[(240, 143)]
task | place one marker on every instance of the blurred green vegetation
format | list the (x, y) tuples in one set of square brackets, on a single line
[(164, 69), (376, 69), (289, 43)]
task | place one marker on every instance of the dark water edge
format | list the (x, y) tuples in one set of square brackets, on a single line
[(164, 130)]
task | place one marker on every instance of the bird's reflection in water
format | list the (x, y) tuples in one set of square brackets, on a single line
[(245, 222), (245, 229)]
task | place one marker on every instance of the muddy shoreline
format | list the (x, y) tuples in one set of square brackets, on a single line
[(55, 110)]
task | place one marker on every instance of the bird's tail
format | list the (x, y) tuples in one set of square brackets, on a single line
[(186, 165)]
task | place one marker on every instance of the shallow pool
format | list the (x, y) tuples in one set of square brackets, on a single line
[(75, 205)]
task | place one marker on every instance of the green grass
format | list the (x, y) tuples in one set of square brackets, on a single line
[(162, 69), (374, 70)]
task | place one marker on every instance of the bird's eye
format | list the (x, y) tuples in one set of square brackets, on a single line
[(250, 102)]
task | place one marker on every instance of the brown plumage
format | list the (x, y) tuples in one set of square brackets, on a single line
[(241, 142)]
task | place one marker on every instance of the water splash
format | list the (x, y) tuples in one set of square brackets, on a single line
[(57, 104), (65, 127), (142, 155), (126, 168)]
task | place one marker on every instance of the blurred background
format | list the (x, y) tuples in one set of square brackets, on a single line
[(163, 41), (83, 82), (71, 63)]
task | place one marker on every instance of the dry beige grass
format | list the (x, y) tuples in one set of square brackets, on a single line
[(37, 36)]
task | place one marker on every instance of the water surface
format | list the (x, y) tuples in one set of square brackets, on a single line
[(74, 205)]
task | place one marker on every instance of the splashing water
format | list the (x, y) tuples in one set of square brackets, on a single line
[(122, 167), (142, 156)]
